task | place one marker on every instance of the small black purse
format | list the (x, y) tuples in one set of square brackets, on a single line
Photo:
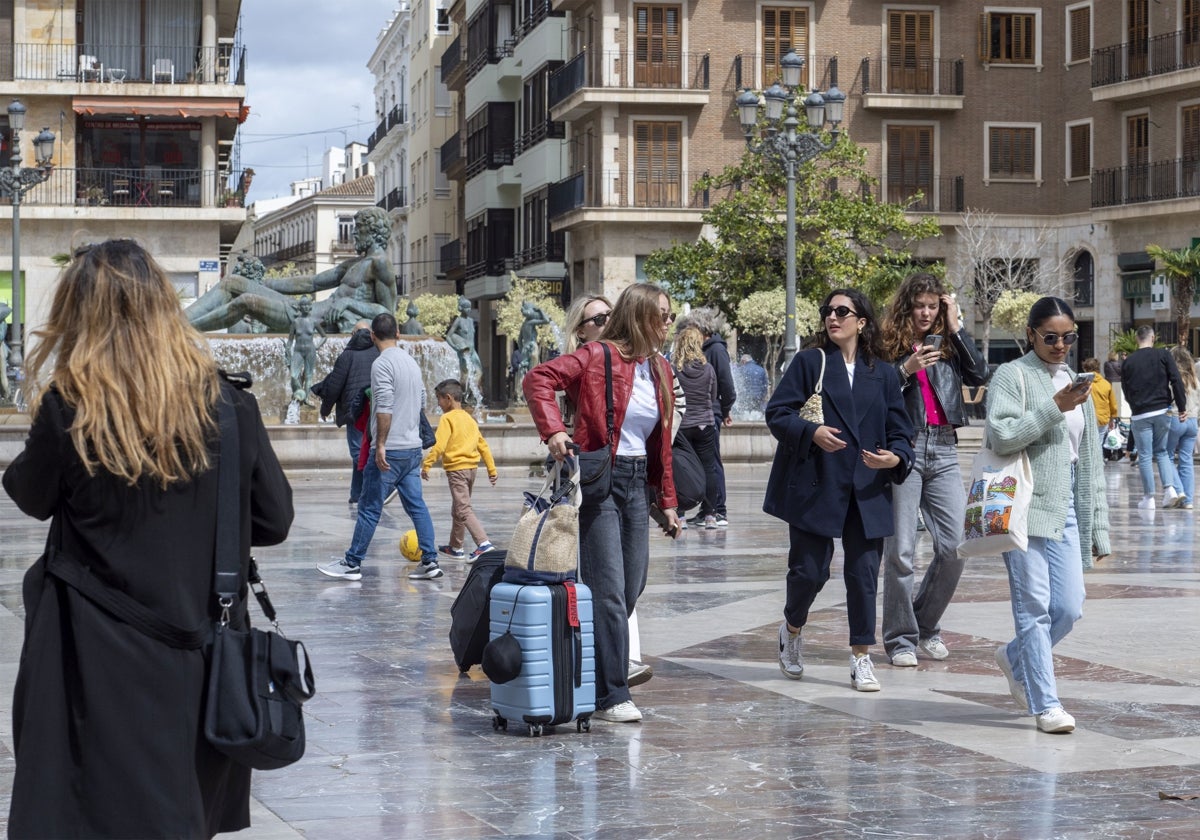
[(257, 680)]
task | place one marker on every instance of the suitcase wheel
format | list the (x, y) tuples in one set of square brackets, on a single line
[(535, 730), (499, 723)]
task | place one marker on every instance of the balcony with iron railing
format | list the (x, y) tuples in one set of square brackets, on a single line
[(452, 64), (749, 70), (144, 187), (552, 251), (490, 151), (450, 257), (123, 63), (944, 194), (1141, 184), (394, 199), (543, 130), (633, 194), (1140, 61), (918, 84), (452, 153), (627, 77)]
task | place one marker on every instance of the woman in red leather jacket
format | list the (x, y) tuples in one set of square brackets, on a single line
[(614, 539)]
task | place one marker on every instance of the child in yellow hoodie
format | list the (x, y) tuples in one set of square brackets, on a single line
[(460, 445), (1103, 399)]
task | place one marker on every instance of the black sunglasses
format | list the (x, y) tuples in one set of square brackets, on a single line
[(840, 311), (1053, 338), (599, 320)]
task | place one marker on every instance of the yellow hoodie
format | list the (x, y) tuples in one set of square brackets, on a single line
[(460, 444), (1104, 399)]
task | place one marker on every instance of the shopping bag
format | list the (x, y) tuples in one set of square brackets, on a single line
[(545, 544)]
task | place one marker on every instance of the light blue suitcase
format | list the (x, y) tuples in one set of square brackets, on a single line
[(557, 683)]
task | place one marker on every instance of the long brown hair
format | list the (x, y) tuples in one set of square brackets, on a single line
[(120, 352), (897, 328), (1187, 367), (632, 329)]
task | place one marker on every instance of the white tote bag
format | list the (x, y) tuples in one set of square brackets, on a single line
[(998, 500)]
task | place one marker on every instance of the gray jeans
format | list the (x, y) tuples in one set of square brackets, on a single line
[(936, 487)]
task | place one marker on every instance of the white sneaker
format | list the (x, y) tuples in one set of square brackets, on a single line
[(1014, 688), (1056, 720), (339, 568), (1170, 498), (904, 659), (710, 523), (1147, 503), (790, 660), (621, 713), (862, 674), (935, 647)]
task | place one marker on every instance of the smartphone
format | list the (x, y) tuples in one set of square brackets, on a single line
[(933, 340), (1084, 380)]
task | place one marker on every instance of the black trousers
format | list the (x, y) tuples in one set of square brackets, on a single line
[(808, 570)]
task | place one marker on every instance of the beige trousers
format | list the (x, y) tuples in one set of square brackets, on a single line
[(462, 515)]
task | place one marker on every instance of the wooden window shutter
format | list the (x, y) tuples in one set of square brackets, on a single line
[(983, 43), (1081, 44), (784, 30), (1080, 146), (1191, 132)]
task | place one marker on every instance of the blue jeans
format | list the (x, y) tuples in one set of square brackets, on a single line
[(1151, 436), (404, 474), (935, 488), (1181, 443), (1046, 585), (614, 554), (354, 443)]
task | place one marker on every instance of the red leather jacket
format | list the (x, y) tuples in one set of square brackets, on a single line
[(581, 375)]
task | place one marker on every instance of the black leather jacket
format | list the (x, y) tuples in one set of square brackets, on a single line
[(947, 376)]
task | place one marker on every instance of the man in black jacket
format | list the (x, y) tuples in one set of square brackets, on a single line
[(1151, 383), (350, 375)]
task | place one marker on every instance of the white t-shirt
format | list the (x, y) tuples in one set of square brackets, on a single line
[(1061, 377), (850, 371), (642, 414)]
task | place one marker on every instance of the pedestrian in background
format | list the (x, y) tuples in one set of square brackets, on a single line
[(1181, 439), (834, 479), (1035, 406), (716, 353), (699, 382), (1104, 400), (934, 358), (350, 375), (1112, 372), (1152, 384)]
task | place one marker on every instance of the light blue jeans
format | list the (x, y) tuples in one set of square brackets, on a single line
[(934, 488), (1181, 444), (1151, 436), (1046, 585), (404, 474)]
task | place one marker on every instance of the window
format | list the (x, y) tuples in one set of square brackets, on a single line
[(910, 52), (1190, 148), (1137, 33), (1079, 150), (1191, 32), (1012, 153), (784, 30), (1079, 33), (910, 165), (1137, 157), (345, 226), (657, 45), (443, 22), (657, 164), (533, 223), (1008, 37), (1084, 276)]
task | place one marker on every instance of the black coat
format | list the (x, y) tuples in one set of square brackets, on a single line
[(351, 373), (717, 354), (106, 721), (811, 488)]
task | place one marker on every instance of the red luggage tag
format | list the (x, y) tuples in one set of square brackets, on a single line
[(572, 604)]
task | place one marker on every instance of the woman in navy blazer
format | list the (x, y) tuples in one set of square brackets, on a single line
[(835, 480)]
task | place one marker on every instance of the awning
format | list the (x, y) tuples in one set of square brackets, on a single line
[(158, 107)]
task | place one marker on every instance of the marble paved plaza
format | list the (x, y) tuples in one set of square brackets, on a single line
[(401, 746)]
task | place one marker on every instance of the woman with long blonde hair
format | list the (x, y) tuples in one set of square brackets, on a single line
[(121, 457), (699, 381), (585, 319), (614, 550)]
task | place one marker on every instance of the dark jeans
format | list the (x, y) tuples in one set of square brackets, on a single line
[(614, 553), (719, 498), (808, 570), (704, 441), (354, 442)]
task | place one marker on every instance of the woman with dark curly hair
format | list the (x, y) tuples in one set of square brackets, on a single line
[(832, 477), (934, 359)]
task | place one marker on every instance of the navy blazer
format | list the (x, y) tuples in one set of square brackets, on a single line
[(811, 488)]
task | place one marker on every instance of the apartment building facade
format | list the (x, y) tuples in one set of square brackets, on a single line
[(1074, 127), (145, 106)]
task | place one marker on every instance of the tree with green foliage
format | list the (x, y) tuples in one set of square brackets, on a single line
[(843, 237), (1011, 312), (437, 311), (763, 314), (1181, 266)]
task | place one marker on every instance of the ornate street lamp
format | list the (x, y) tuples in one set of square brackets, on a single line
[(15, 181), (781, 142)]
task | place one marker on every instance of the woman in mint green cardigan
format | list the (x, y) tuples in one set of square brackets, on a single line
[(1033, 405)]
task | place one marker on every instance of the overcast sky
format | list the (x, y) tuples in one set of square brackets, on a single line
[(306, 71)]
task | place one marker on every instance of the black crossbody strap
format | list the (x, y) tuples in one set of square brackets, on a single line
[(610, 419), (227, 547)]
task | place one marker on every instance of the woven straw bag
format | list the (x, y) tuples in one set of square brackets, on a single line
[(545, 544), (813, 409)]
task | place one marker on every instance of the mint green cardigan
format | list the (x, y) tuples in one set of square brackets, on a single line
[(1040, 428)]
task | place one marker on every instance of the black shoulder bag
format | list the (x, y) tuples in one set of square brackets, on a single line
[(595, 468), (257, 680)]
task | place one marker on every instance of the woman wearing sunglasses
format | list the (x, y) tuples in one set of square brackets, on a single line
[(1035, 405), (614, 534), (834, 479), (934, 359)]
